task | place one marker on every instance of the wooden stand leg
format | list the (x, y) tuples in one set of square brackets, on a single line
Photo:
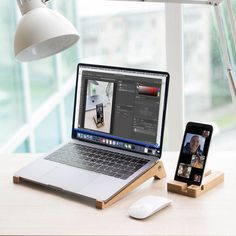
[(17, 180), (210, 180), (160, 172), (157, 171)]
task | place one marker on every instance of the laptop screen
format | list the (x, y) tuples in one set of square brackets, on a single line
[(120, 107)]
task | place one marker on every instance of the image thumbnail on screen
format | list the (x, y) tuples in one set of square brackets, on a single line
[(184, 171), (98, 108)]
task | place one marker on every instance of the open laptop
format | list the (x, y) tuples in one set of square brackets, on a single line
[(106, 154)]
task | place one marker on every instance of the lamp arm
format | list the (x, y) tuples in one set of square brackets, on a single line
[(233, 28), (232, 19), (28, 5), (198, 2), (231, 78), (226, 56), (175, 1)]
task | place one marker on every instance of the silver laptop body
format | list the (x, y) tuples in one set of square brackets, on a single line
[(118, 113)]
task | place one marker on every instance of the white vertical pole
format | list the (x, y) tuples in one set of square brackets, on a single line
[(77, 24), (61, 101), (62, 118), (27, 96), (174, 55), (28, 107)]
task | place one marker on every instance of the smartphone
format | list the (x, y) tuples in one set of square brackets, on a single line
[(193, 153), (100, 115)]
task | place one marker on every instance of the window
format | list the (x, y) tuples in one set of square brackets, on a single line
[(37, 98), (69, 58), (11, 90), (69, 108), (39, 95), (47, 138), (42, 79), (32, 94), (207, 94), (127, 34), (24, 147)]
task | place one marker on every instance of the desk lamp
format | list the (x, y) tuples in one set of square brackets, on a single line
[(41, 31), (222, 33)]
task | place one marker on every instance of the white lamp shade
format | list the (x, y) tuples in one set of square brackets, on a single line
[(43, 32)]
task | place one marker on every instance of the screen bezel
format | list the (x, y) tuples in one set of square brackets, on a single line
[(74, 131), (195, 128)]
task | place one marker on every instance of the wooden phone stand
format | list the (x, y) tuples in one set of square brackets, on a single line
[(98, 124), (210, 180), (157, 171)]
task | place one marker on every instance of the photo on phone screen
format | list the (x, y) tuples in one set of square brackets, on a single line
[(193, 154)]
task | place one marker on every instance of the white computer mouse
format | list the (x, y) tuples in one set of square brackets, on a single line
[(147, 206)]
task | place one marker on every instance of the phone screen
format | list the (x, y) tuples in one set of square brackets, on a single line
[(193, 154)]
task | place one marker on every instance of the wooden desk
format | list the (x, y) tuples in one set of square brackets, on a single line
[(34, 210)]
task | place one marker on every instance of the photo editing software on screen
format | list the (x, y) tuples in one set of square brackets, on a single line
[(120, 108)]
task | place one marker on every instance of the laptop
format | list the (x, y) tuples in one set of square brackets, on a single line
[(117, 133)]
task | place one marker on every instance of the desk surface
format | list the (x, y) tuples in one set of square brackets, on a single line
[(29, 209)]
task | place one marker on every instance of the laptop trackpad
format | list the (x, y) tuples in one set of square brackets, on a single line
[(69, 178)]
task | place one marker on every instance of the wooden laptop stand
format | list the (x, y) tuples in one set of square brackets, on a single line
[(157, 171), (210, 180)]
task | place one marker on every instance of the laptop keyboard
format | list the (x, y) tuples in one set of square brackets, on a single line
[(101, 161)]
